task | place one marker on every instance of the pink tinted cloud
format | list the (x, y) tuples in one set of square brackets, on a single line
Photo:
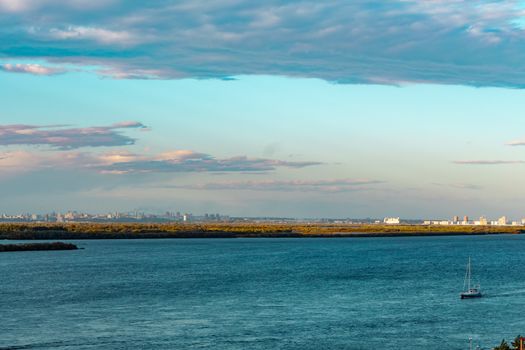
[(184, 161), (178, 161), (35, 69)]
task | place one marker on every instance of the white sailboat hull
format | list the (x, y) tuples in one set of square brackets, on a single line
[(471, 294)]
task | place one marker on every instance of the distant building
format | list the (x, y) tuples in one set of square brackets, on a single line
[(483, 221), (455, 219), (391, 221), (502, 221), (465, 220)]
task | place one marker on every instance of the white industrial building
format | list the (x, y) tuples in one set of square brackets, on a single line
[(391, 221)]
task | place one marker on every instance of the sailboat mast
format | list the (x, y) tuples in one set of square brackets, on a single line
[(469, 273), (472, 291)]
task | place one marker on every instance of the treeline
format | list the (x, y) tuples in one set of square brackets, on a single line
[(134, 230), (230, 230)]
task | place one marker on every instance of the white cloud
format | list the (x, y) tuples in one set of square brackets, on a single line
[(516, 143), (100, 35), (18, 6), (118, 157), (35, 69)]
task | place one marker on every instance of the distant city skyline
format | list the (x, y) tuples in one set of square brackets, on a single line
[(185, 216), (410, 109)]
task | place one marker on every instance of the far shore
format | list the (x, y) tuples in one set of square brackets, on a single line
[(72, 231)]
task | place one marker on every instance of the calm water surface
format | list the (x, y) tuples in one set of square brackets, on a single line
[(390, 293)]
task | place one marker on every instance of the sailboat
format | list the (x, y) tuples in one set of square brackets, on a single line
[(471, 291)]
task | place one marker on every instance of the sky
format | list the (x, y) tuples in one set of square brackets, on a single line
[(278, 108)]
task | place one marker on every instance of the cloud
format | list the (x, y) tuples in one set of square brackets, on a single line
[(66, 138), (100, 35), (461, 186), (19, 161), (337, 185), (488, 162), (184, 161), (478, 43), (123, 73), (34, 69), (124, 162), (25, 6), (516, 143)]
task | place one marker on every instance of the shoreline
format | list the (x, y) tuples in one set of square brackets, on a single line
[(72, 231), (226, 235)]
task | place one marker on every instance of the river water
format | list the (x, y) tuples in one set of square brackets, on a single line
[(340, 293)]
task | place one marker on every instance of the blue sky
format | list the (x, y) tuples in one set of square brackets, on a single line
[(343, 109)]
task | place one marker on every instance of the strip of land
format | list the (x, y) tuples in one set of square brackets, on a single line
[(25, 231), (36, 246)]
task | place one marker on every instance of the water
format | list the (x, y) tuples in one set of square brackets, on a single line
[(365, 293)]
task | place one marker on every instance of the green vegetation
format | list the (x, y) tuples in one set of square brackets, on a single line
[(503, 346), (515, 345), (233, 230), (36, 246)]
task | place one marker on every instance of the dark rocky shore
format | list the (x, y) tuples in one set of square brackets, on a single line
[(36, 247)]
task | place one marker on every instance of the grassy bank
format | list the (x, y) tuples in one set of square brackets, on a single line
[(233, 230)]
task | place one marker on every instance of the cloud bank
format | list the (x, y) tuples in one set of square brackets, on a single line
[(186, 161), (64, 138), (488, 162), (66, 141), (123, 162), (479, 43), (461, 186), (335, 185)]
